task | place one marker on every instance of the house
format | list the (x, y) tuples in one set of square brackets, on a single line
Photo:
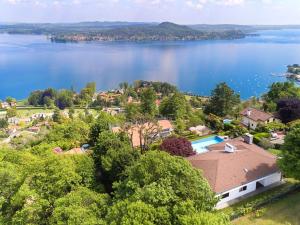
[(41, 116), (34, 129), (57, 150), (237, 167), (13, 120), (75, 151), (164, 128), (200, 130), (4, 105), (253, 117)]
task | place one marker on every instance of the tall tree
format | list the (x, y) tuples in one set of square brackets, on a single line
[(223, 100), (175, 107), (81, 206), (160, 179), (288, 109), (277, 91), (64, 99), (148, 98), (290, 161)]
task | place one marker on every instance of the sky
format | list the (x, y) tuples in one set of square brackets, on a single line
[(177, 11)]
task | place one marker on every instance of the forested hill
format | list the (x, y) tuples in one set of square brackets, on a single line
[(162, 32), (121, 31)]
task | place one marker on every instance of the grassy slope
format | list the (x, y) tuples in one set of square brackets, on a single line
[(285, 211)]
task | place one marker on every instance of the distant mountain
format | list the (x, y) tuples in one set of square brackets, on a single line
[(165, 31), (221, 27), (57, 28)]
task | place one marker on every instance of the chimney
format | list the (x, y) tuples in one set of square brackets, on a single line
[(248, 138), (249, 112), (229, 148)]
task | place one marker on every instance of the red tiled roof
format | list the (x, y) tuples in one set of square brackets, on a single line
[(225, 171), (256, 115), (74, 151)]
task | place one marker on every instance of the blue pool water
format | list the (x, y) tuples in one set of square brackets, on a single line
[(227, 121), (200, 146)]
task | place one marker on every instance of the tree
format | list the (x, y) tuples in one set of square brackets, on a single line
[(102, 123), (279, 91), (288, 109), (35, 98), (69, 134), (290, 161), (3, 123), (214, 122), (10, 100), (160, 179), (64, 99), (81, 206), (223, 100), (91, 86), (11, 112), (178, 146), (196, 102), (175, 107), (136, 213), (132, 111), (57, 116), (187, 214), (116, 160), (148, 98)]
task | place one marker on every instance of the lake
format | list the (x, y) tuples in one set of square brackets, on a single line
[(30, 62)]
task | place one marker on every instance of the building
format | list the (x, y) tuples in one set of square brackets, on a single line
[(6, 105), (200, 130), (236, 167), (34, 129), (163, 129), (253, 117)]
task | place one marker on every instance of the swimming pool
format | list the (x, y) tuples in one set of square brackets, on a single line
[(201, 145)]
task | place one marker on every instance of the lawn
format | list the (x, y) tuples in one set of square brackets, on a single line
[(284, 211)]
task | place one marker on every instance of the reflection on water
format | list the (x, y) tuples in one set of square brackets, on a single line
[(32, 62)]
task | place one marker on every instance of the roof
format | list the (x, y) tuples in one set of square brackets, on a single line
[(225, 171), (256, 115), (74, 151), (134, 130)]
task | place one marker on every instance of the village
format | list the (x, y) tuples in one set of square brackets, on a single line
[(236, 149)]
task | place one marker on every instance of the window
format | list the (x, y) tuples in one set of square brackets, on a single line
[(226, 195), (243, 188)]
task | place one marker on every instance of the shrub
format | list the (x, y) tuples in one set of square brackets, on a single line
[(265, 143), (178, 146)]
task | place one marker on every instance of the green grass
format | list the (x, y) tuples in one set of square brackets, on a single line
[(29, 112), (284, 211)]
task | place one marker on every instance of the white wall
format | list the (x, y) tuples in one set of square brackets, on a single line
[(246, 121), (235, 193)]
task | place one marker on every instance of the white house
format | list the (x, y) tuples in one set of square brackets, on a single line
[(236, 167), (253, 117)]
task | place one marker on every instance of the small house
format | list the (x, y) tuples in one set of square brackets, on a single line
[(253, 117)]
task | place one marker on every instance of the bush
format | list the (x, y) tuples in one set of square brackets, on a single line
[(265, 143), (258, 137), (178, 146)]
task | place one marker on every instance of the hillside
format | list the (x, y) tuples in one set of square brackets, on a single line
[(162, 32)]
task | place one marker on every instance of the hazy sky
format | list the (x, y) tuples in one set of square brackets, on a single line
[(179, 11)]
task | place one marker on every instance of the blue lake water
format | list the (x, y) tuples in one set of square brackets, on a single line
[(30, 62)]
